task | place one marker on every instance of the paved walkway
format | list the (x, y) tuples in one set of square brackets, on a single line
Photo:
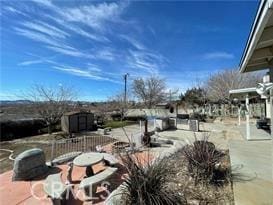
[(251, 163), (31, 192), (255, 134)]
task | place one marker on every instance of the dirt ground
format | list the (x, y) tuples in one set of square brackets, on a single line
[(199, 193), (220, 132), (43, 142)]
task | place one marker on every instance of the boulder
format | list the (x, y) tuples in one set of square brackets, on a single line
[(29, 164)]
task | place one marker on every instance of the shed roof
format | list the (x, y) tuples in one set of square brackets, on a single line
[(76, 112), (258, 53)]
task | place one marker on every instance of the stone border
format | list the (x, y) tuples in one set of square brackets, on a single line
[(115, 197)]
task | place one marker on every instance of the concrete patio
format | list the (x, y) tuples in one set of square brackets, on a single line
[(251, 163), (32, 192), (255, 134)]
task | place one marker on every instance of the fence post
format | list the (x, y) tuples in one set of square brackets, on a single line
[(52, 150), (84, 143)]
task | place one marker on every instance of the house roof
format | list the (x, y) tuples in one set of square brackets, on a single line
[(258, 53), (149, 113)]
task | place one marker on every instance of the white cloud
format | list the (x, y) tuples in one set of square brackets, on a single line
[(77, 29), (70, 51), (146, 60), (52, 43), (134, 42), (218, 55), (105, 54), (46, 29), (93, 67), (93, 22), (39, 37), (14, 10), (86, 21), (84, 33), (47, 3), (83, 73), (95, 15), (59, 46), (30, 62)]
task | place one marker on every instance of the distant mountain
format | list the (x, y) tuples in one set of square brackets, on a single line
[(14, 102)]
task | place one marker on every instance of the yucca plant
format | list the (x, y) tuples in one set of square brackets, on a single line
[(202, 157), (146, 183)]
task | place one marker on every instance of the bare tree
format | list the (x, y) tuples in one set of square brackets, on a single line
[(150, 90), (218, 85), (51, 103), (116, 102)]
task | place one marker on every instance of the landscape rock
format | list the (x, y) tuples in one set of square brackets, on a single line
[(29, 164)]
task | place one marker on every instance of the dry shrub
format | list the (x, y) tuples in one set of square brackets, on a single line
[(203, 159), (146, 183)]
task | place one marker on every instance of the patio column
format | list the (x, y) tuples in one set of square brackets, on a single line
[(271, 113), (239, 115), (271, 103), (247, 119)]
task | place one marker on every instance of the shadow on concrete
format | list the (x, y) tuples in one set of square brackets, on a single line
[(113, 183), (187, 130), (238, 176), (51, 170)]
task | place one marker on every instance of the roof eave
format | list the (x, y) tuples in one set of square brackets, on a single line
[(262, 16)]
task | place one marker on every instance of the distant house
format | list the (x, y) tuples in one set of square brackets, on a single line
[(169, 106)]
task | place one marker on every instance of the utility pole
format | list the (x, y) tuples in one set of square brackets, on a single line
[(125, 76)]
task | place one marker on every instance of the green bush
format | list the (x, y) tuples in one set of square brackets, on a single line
[(117, 124), (198, 116)]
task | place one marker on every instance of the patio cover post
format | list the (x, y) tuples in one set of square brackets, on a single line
[(271, 114), (239, 115), (271, 105), (247, 118)]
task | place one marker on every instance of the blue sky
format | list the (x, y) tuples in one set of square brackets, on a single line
[(90, 44)]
